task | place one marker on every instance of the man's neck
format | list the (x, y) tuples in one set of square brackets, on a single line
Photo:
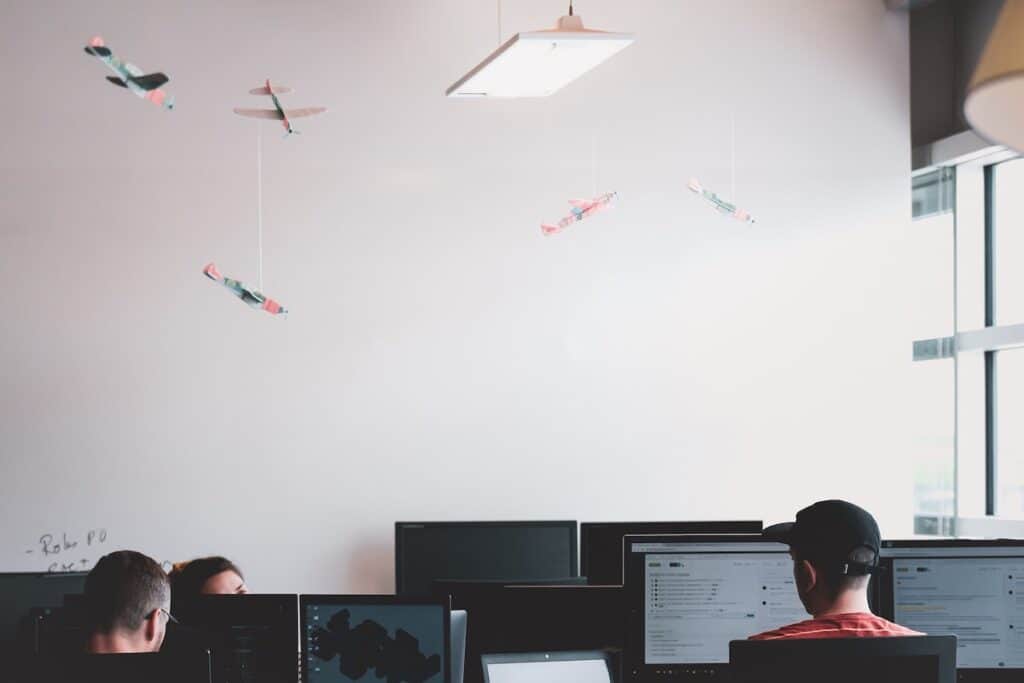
[(846, 603), (115, 643)]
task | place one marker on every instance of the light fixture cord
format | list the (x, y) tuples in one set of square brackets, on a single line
[(259, 203), (499, 23), (732, 125), (570, 8)]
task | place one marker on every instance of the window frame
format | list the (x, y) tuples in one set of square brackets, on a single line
[(971, 165)]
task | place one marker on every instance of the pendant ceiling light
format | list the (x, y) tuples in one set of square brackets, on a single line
[(539, 63), (995, 97)]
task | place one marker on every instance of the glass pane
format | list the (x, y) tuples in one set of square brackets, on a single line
[(1010, 433), (1008, 195), (930, 280), (970, 246)]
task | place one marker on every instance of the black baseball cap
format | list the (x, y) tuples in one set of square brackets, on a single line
[(827, 532)]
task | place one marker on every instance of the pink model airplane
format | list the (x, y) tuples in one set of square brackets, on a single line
[(580, 209), (246, 294), (278, 113)]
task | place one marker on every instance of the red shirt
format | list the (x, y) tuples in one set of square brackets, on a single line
[(852, 625)]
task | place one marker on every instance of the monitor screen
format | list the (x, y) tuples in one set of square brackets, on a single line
[(513, 551), (971, 589), (548, 667), (251, 638), (690, 596), (361, 638), (601, 543), (21, 592)]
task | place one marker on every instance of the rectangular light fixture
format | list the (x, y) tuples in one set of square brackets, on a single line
[(539, 63)]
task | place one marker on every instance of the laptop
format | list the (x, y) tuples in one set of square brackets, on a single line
[(548, 667)]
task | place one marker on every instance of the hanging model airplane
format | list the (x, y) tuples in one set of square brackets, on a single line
[(723, 207), (130, 76), (249, 296), (580, 209), (278, 113)]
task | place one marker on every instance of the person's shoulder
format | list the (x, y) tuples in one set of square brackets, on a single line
[(854, 625), (791, 631)]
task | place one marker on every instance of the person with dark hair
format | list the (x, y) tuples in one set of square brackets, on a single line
[(835, 547), (127, 601), (206, 576)]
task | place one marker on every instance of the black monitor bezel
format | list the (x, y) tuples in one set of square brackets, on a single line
[(942, 647), (884, 593), (382, 600), (635, 669), (571, 525), (654, 529)]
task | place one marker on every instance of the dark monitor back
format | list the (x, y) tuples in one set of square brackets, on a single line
[(601, 542), (251, 638), (192, 667), (20, 593), (507, 551), (915, 659), (507, 619)]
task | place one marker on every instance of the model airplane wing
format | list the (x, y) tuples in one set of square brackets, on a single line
[(274, 89), (581, 203), (98, 51), (117, 81), (259, 113), (307, 111), (150, 81)]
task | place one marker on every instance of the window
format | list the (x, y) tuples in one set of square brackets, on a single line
[(977, 483)]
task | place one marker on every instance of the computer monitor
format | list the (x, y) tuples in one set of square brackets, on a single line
[(251, 638), (347, 638), (971, 589), (507, 551), (22, 592), (460, 620), (689, 596), (548, 667), (510, 619), (601, 543), (184, 667), (906, 659)]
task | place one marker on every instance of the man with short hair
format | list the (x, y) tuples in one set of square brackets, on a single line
[(127, 598), (835, 547)]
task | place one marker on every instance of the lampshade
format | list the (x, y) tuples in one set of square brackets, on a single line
[(539, 63), (995, 97)]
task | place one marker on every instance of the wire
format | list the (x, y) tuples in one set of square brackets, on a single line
[(259, 203), (732, 125), (499, 23), (570, 8)]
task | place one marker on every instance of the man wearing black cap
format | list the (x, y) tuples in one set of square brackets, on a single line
[(834, 545)]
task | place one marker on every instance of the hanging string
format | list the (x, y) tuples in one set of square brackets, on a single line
[(593, 163), (499, 23), (259, 203), (732, 132)]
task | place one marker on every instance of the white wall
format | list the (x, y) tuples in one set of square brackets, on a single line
[(443, 360)]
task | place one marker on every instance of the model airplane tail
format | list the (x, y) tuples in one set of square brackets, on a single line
[(272, 90), (549, 229)]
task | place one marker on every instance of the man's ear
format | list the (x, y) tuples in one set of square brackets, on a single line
[(151, 627), (806, 576)]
